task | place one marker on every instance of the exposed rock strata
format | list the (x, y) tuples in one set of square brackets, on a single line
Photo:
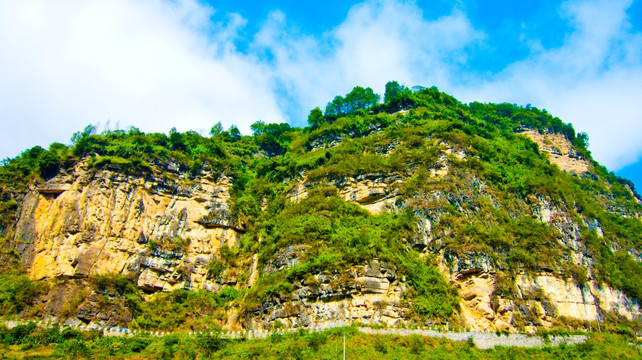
[(540, 298), (149, 226), (560, 151), (370, 294), (163, 230), (373, 192)]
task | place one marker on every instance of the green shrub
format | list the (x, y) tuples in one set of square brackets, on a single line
[(138, 344), (380, 345), (72, 349), (316, 339), (18, 335), (114, 283), (210, 343), (18, 292)]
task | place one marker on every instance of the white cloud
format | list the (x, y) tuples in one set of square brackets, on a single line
[(386, 40), (592, 80), (156, 64), (153, 64), (377, 42)]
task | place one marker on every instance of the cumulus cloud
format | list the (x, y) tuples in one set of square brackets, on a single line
[(156, 64), (377, 42), (153, 64), (591, 80)]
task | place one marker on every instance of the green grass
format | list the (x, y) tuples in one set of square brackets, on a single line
[(328, 344)]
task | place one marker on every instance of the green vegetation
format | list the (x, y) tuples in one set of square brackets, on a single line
[(337, 235), (465, 169), (18, 293), (32, 342), (182, 309), (168, 311), (358, 99)]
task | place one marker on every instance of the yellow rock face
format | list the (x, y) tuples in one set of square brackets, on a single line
[(101, 222), (560, 151), (563, 297), (163, 229), (373, 192)]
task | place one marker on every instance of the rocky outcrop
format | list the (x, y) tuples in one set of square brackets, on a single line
[(333, 139), (534, 300), (538, 299), (324, 142), (560, 151), (373, 192), (160, 228), (104, 308), (285, 258), (442, 165), (163, 229), (370, 294)]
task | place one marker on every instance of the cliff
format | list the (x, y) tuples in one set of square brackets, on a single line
[(408, 217), (161, 228)]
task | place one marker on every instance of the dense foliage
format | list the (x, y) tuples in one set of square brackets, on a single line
[(338, 235), (32, 342), (491, 181)]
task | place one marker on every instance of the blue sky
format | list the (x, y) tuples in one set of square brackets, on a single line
[(157, 64)]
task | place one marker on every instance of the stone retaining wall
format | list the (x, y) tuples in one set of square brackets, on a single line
[(484, 340)]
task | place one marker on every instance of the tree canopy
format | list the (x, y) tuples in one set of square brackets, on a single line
[(358, 99)]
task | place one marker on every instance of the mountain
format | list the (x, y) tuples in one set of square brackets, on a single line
[(418, 210)]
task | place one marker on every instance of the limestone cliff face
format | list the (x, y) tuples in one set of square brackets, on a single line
[(370, 294), (373, 192), (160, 228), (537, 297), (540, 298), (559, 150)]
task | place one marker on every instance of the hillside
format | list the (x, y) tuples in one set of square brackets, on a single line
[(418, 210)]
